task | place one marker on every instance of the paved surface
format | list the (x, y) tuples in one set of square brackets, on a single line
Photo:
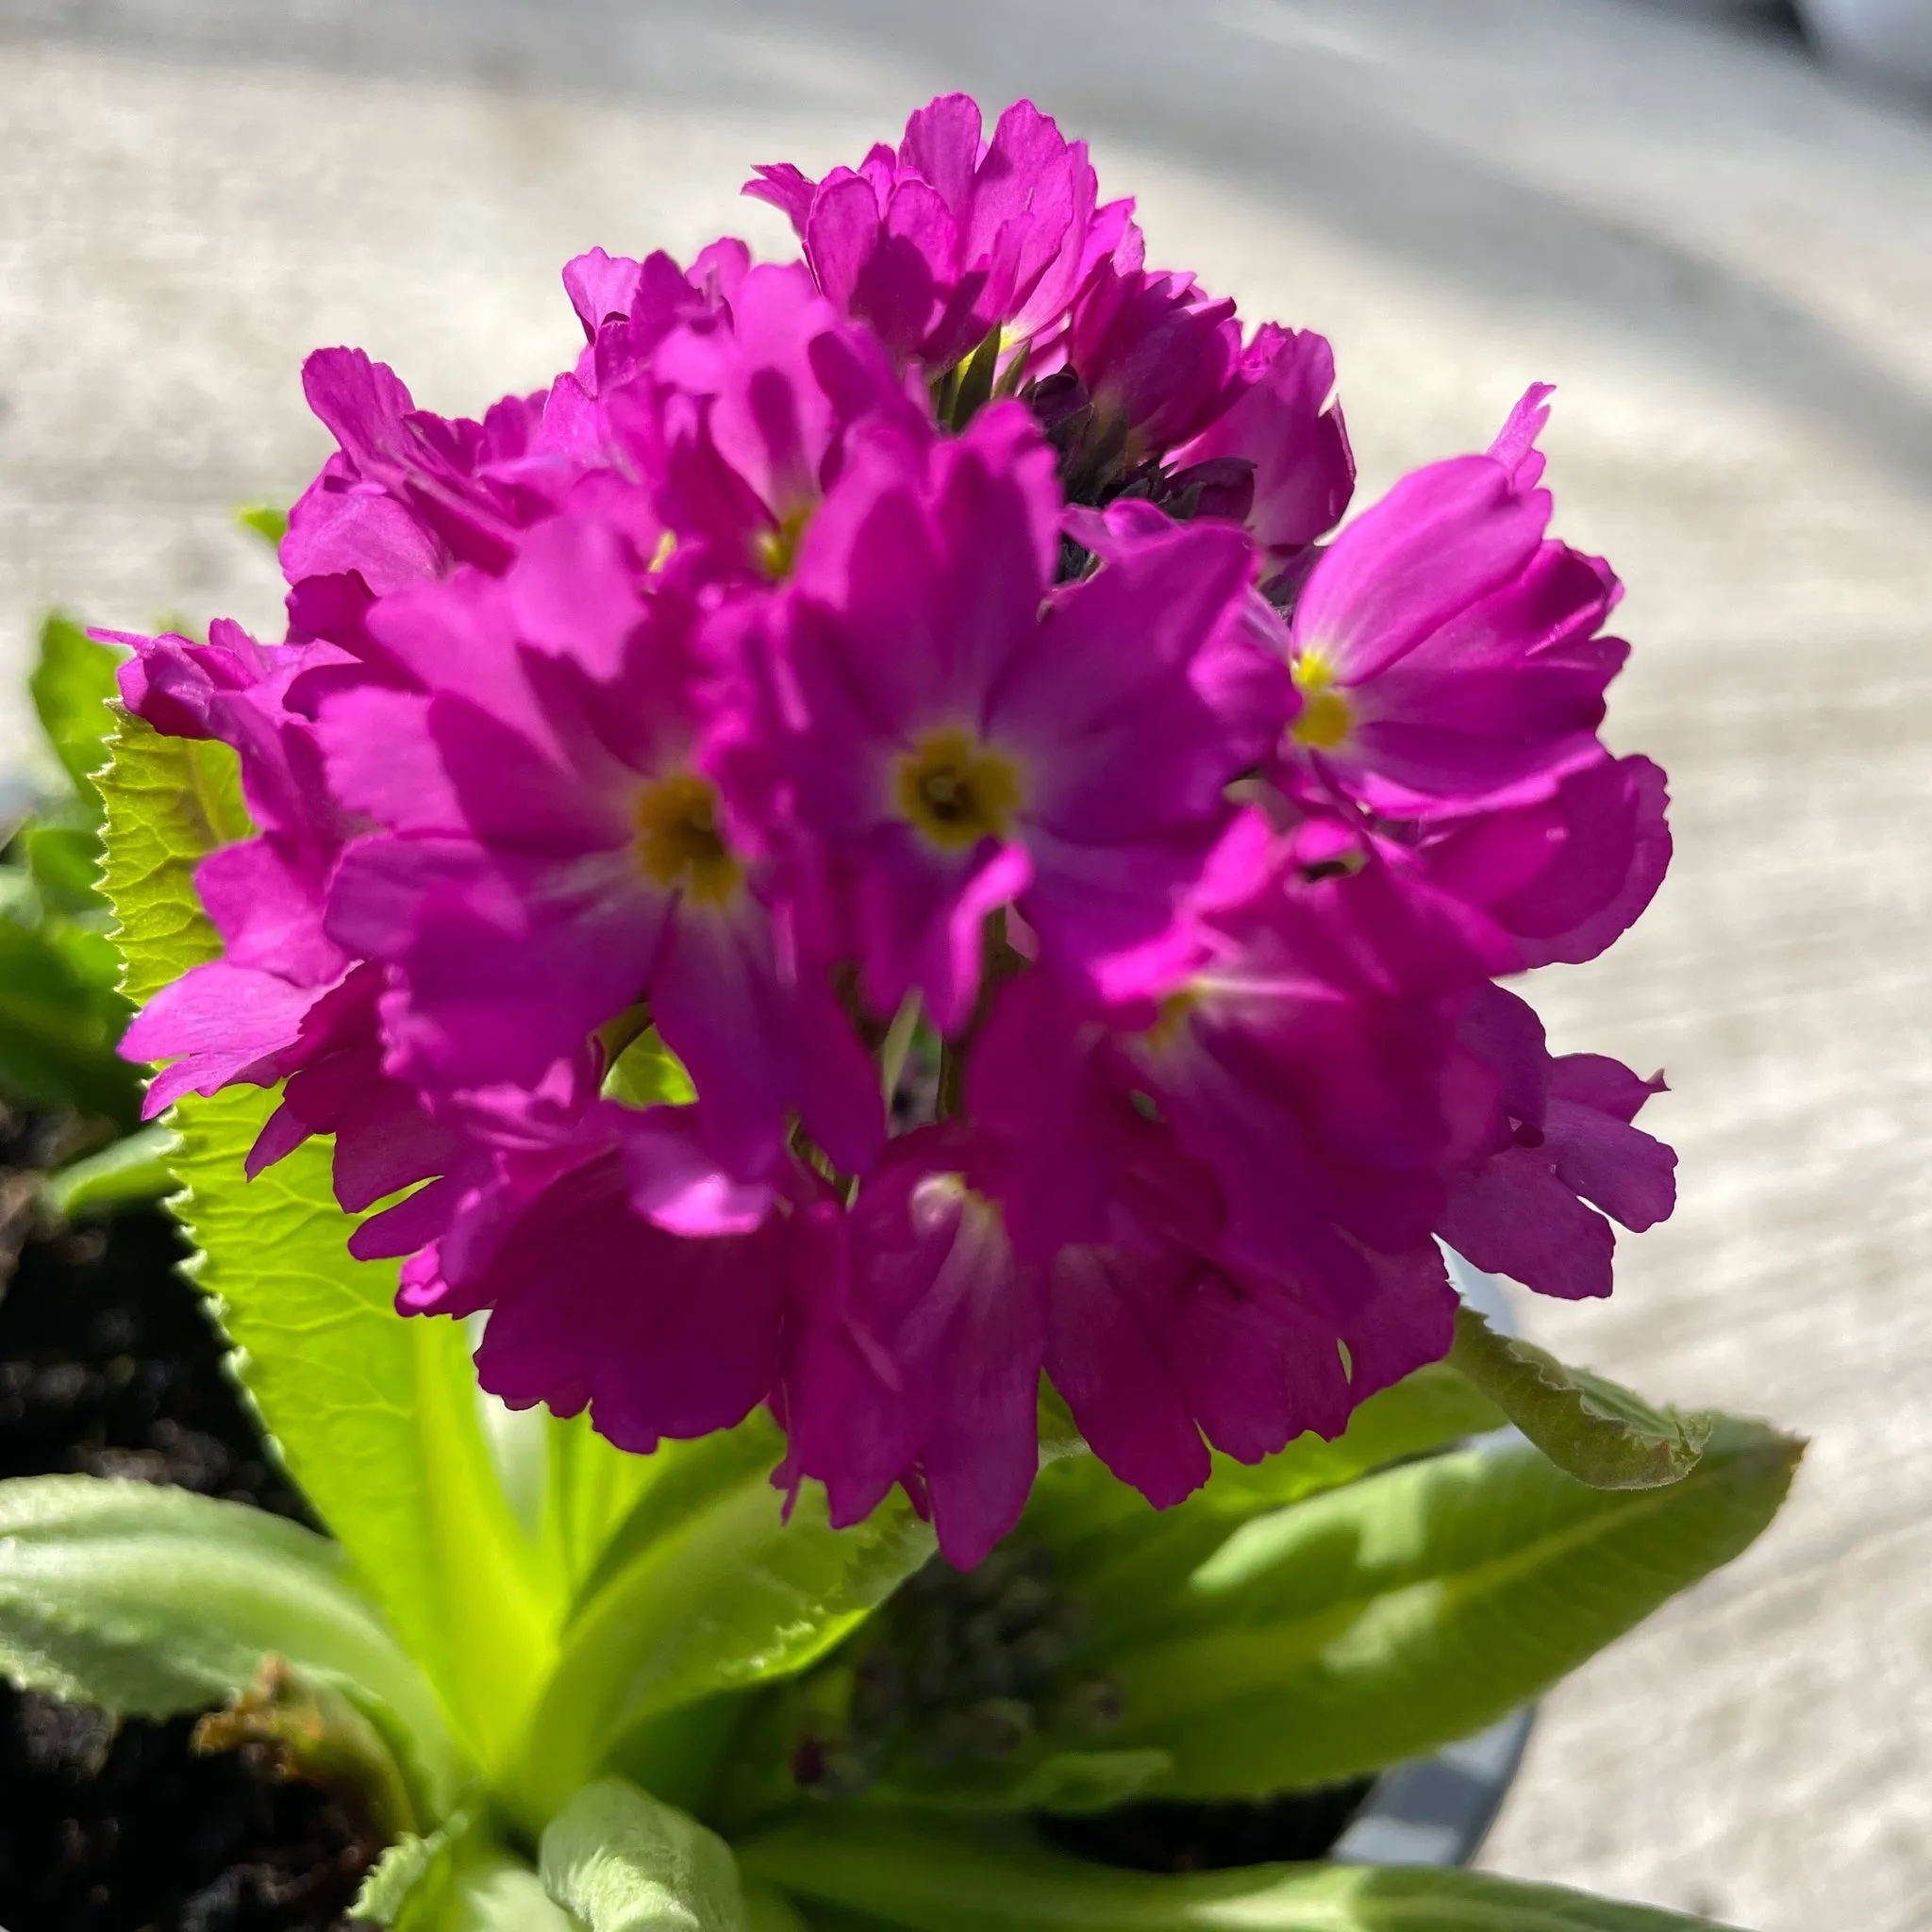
[(1724, 258)]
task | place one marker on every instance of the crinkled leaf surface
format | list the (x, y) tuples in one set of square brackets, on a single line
[(169, 802), (707, 1588), (1377, 1621), (148, 1601), (621, 1861), (1598, 1432), (376, 1416), (901, 1870)]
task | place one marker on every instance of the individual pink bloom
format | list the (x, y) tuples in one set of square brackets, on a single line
[(1161, 1355), (403, 498), (919, 1362), (954, 743), (1564, 1147), (1566, 874), (1154, 361), (592, 1304), (1445, 649), (1161, 1338), (556, 854), (746, 418), (949, 238), (1283, 424), (1297, 1036)]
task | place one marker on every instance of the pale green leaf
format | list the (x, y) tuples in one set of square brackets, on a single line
[(591, 1488), (404, 1881), (1596, 1431), (148, 1601), (169, 802), (499, 1894), (1377, 1621), (71, 686), (706, 1588), (648, 1073), (621, 1861), (138, 1167), (375, 1415), (461, 1878), (901, 1870)]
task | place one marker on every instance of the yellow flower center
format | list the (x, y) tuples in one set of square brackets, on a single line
[(1325, 718), (678, 845), (777, 548), (1173, 1016), (953, 792)]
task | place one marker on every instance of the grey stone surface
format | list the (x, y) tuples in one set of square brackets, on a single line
[(1723, 255)]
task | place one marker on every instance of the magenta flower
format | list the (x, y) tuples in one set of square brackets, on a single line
[(1564, 875), (939, 635), (557, 854), (919, 1362), (1284, 426), (1157, 361), (1445, 649), (746, 421), (1562, 1146), (937, 246), (956, 746)]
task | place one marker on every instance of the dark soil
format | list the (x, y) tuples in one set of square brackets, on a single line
[(109, 1367), (113, 1831)]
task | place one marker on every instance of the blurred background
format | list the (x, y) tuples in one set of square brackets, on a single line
[(1711, 225)]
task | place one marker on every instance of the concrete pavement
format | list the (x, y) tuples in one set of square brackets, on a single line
[(1721, 255)]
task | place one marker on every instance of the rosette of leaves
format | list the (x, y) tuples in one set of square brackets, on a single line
[(618, 1693)]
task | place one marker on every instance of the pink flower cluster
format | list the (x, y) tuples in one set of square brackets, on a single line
[(862, 848)]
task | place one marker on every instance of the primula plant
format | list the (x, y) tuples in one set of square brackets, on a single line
[(867, 899)]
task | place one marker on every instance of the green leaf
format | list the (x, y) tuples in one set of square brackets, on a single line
[(149, 1601), (73, 685), (58, 1028), (64, 861), (1124, 1559), (905, 1871), (619, 1861), (707, 1589), (376, 1416), (1592, 1428), (268, 521), (137, 1166), (1383, 1620), (500, 1893), (1075, 1781), (591, 1488), (458, 1879), (403, 1880), (169, 802), (648, 1073)]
